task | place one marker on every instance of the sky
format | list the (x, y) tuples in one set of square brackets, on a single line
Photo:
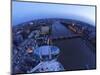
[(26, 11)]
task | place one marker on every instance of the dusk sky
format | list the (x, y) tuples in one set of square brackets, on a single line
[(26, 11)]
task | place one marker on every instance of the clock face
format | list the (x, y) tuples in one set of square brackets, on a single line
[(49, 40)]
